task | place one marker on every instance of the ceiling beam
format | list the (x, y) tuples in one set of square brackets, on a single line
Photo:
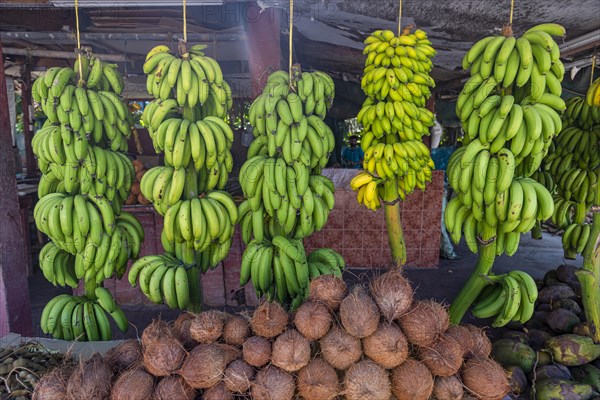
[(65, 54), (195, 37)]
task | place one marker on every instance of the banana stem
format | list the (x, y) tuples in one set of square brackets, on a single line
[(536, 232), (90, 289), (394, 225), (477, 280), (195, 285)]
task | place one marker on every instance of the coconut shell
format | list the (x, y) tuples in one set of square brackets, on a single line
[(318, 381), (444, 357), (238, 376), (124, 355), (393, 294), (133, 384), (424, 322), (482, 347), (207, 327), (367, 380), (448, 388), (90, 380), (462, 336), (53, 385), (257, 351), (412, 380), (181, 330), (329, 290), (157, 329), (272, 383), (340, 349), (236, 330), (359, 313), (217, 392), (173, 387), (205, 364), (485, 379), (269, 319), (313, 320), (135, 188), (162, 353), (387, 346), (291, 351)]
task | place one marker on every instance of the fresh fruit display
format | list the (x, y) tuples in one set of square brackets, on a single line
[(86, 179), (509, 109), (375, 342), (186, 123), (286, 197), (394, 118), (593, 94)]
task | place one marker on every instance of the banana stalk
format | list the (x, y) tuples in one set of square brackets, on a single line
[(195, 285), (589, 275), (536, 231), (393, 223), (90, 289), (477, 280)]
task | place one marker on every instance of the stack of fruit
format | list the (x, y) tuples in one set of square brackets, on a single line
[(136, 196), (574, 165), (593, 94), (86, 178), (286, 198), (509, 111), (186, 123)]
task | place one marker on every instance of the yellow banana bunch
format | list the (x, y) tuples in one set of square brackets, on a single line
[(580, 114), (593, 94)]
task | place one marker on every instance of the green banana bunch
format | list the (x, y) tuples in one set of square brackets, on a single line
[(545, 179), (79, 318), (509, 297), (192, 79), (58, 266), (575, 238), (581, 114)]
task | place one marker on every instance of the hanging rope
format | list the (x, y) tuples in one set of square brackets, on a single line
[(512, 10), (593, 67), (78, 40), (400, 18), (291, 39), (185, 21)]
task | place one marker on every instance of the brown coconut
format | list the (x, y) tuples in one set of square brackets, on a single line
[(257, 351), (424, 322), (291, 351), (217, 392), (181, 330), (207, 327), (412, 380), (367, 380), (329, 290), (392, 293), (162, 352), (444, 357), (318, 381), (359, 313), (313, 320), (90, 380), (462, 336), (269, 319), (238, 376), (387, 346), (272, 383), (340, 349), (236, 330), (173, 387), (205, 364), (485, 379), (448, 388), (482, 347), (133, 384), (124, 355), (53, 385)]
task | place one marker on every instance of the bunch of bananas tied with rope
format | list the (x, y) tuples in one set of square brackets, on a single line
[(394, 118), (186, 123), (286, 198), (85, 181)]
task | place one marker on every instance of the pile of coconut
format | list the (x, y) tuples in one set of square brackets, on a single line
[(371, 343)]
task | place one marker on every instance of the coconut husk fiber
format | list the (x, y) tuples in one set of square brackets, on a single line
[(256, 351), (485, 379), (462, 336), (444, 357), (359, 314), (217, 392), (387, 346), (124, 355), (313, 320), (482, 347), (53, 385), (162, 352), (238, 376), (329, 290), (291, 351), (205, 364), (424, 322), (272, 383), (318, 381), (448, 388), (269, 320), (133, 384), (340, 349), (392, 293), (173, 387), (236, 330), (181, 330), (367, 380), (412, 380), (91, 380), (207, 326)]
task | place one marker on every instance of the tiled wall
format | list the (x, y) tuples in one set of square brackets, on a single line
[(357, 233)]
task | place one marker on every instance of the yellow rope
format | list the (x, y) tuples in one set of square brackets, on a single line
[(291, 38), (185, 21), (512, 10), (400, 18), (78, 40), (592, 69)]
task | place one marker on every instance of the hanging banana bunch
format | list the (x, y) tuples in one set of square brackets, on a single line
[(286, 197), (85, 181), (510, 112)]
